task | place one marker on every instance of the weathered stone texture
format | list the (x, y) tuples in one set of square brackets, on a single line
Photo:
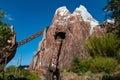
[(64, 40)]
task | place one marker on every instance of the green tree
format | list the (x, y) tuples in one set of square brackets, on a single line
[(5, 32), (113, 11)]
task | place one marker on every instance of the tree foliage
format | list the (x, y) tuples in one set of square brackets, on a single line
[(105, 46), (113, 11), (5, 32), (95, 65), (113, 7)]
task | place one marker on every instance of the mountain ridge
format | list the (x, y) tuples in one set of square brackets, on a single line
[(80, 12)]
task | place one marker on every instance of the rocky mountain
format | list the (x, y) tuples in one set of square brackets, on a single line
[(65, 39), (86, 16)]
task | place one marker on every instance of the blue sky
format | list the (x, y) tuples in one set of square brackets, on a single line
[(31, 16)]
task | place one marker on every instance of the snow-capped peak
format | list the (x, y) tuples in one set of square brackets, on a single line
[(86, 16), (62, 14), (62, 11), (110, 21)]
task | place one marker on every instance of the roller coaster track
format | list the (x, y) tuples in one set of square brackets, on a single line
[(30, 38), (6, 58)]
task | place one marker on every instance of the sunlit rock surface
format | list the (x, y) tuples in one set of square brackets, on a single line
[(65, 39)]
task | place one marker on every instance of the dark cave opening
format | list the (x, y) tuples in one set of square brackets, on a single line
[(60, 35), (54, 72)]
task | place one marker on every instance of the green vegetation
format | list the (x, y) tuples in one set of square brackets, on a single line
[(20, 74), (105, 46), (95, 65), (104, 51), (104, 57), (113, 11), (5, 33)]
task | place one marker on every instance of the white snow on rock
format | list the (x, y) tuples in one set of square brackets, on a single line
[(62, 11), (86, 16), (81, 12), (43, 38), (110, 21), (62, 15)]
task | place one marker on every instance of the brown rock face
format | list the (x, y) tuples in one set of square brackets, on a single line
[(64, 40)]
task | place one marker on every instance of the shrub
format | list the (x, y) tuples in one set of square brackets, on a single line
[(95, 65), (106, 46), (79, 66), (21, 74), (76, 65), (100, 64)]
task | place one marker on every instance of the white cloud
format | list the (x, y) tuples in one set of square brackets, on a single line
[(8, 17)]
